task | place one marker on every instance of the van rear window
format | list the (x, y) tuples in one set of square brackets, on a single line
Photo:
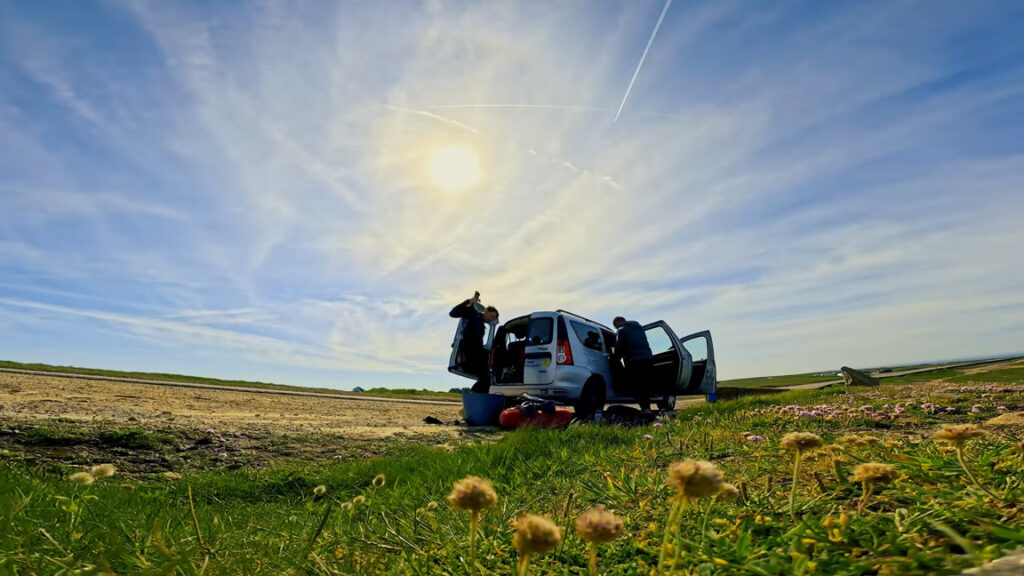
[(540, 331)]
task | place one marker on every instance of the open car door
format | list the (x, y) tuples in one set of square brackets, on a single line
[(671, 361), (703, 376), (457, 361)]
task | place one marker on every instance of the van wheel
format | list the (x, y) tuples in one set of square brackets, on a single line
[(591, 399), (667, 403)]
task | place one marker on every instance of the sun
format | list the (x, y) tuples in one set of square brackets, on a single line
[(454, 168)]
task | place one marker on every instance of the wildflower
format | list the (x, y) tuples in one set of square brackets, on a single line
[(171, 475), (873, 472), (870, 474), (597, 526), (694, 479), (474, 494), (728, 492), (755, 438), (101, 471), (534, 535), (346, 506), (798, 442), (431, 505), (658, 425), (1002, 408), (82, 478), (801, 441), (958, 435), (319, 491), (359, 500), (648, 437), (379, 480), (858, 440)]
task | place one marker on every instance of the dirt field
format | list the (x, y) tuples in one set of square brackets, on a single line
[(37, 399)]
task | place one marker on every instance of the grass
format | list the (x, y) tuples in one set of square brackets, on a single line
[(406, 393), (777, 381), (267, 520)]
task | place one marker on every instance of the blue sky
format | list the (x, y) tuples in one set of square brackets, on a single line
[(244, 189)]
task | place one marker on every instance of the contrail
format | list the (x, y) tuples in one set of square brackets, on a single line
[(641, 63)]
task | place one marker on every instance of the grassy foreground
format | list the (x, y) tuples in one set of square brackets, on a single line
[(933, 518)]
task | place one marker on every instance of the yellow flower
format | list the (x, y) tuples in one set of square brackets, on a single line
[(432, 505), (319, 490), (346, 506), (598, 525), (473, 493), (82, 478), (958, 435), (101, 471), (801, 441), (535, 535), (873, 472), (379, 480), (694, 479), (359, 500)]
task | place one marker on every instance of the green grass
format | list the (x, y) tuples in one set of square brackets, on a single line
[(777, 381), (180, 378), (265, 520)]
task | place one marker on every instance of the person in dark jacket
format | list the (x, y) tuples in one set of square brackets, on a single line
[(475, 357), (632, 348)]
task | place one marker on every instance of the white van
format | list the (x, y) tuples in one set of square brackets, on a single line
[(565, 357)]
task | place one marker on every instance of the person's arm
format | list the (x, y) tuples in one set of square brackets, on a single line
[(463, 310), (620, 345)]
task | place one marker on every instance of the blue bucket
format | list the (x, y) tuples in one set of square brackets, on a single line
[(482, 409)]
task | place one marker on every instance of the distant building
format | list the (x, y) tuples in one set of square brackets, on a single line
[(358, 389)]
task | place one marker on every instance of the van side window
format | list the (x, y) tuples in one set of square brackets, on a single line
[(590, 337)]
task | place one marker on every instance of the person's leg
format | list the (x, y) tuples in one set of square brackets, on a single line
[(638, 383), (483, 375), (647, 382)]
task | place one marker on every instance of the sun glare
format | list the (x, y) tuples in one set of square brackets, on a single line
[(454, 168)]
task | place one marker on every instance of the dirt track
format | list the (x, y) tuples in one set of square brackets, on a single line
[(26, 399)]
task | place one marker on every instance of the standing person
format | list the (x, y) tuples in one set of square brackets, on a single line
[(632, 347), (474, 353)]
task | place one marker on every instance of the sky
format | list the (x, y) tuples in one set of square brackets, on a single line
[(267, 190)]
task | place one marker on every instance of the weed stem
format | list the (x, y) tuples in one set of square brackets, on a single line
[(792, 492)]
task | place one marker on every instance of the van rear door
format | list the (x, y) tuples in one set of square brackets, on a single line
[(457, 361), (704, 375), (541, 352)]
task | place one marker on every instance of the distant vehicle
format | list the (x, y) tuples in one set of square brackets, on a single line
[(565, 357), (884, 370)]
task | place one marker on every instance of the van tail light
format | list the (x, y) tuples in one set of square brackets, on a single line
[(564, 353)]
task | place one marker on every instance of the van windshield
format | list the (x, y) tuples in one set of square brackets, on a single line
[(540, 331)]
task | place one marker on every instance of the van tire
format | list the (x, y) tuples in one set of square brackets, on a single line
[(591, 399), (667, 403)]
